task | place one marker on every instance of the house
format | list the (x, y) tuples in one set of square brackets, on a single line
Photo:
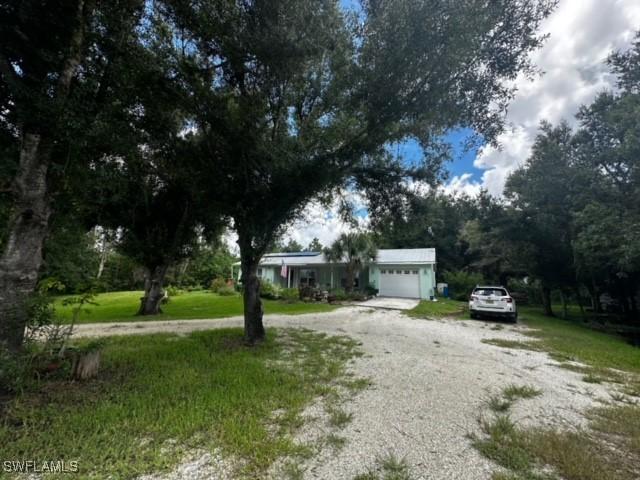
[(395, 272)]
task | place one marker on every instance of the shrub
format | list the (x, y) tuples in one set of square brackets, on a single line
[(173, 291), (461, 283), (371, 290), (226, 291), (337, 295), (306, 292), (16, 373), (193, 288), (269, 290), (357, 296), (289, 295), (217, 284), (526, 292)]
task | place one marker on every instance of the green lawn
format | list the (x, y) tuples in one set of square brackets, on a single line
[(122, 306), (566, 339), (441, 308), (160, 396), (570, 339)]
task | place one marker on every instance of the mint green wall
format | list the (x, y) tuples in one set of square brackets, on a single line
[(427, 278), (374, 276), (427, 281)]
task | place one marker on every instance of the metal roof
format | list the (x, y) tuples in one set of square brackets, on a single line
[(406, 255), (294, 258), (396, 256), (293, 254)]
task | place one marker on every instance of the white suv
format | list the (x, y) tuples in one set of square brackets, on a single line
[(492, 301)]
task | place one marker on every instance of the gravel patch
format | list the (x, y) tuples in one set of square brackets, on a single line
[(431, 381), (199, 465)]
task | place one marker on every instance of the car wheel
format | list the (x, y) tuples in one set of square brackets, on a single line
[(514, 318)]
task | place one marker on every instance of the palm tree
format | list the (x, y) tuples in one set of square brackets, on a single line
[(357, 249)]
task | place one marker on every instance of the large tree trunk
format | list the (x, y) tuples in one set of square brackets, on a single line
[(576, 292), (253, 311), (350, 277), (595, 297), (28, 227), (546, 301), (104, 254), (153, 291), (29, 224), (563, 299)]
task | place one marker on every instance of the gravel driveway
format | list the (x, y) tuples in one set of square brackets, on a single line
[(431, 379)]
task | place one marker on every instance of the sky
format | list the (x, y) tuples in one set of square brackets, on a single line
[(582, 33)]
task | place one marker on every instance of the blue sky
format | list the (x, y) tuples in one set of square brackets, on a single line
[(462, 158), (582, 33)]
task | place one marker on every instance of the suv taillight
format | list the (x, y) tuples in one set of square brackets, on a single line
[(473, 298), (509, 300)]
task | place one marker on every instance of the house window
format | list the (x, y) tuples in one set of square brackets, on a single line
[(407, 272), (415, 272), (260, 272), (399, 272), (307, 277), (382, 272)]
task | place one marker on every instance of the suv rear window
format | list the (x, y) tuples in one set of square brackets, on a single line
[(486, 292)]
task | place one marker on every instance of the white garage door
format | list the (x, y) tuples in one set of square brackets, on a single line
[(400, 282)]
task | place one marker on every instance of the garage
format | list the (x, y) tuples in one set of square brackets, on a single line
[(400, 282)]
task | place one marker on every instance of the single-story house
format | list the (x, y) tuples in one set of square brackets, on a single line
[(408, 272)]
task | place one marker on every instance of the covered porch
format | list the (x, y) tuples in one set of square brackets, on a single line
[(324, 277)]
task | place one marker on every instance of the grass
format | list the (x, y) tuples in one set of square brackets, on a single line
[(572, 341), (514, 392), (159, 397), (122, 307), (338, 418), (504, 343), (502, 403), (608, 447), (546, 454), (336, 442), (498, 403), (443, 307), (565, 339), (387, 468)]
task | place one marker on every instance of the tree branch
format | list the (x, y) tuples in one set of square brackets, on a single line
[(72, 61), (11, 77)]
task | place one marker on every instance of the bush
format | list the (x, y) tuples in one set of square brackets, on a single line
[(269, 290), (371, 291), (461, 283), (217, 284), (338, 295), (289, 295), (306, 292), (226, 291), (357, 296), (16, 373), (173, 291), (526, 293)]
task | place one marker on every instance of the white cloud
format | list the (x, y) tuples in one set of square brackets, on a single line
[(582, 34), (317, 221), (462, 185)]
